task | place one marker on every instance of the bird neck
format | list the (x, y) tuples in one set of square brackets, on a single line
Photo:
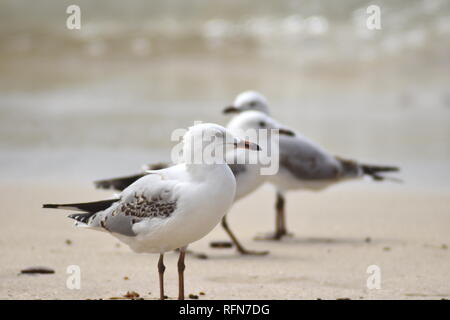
[(205, 171)]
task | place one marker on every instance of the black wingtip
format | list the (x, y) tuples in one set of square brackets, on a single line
[(50, 206), (388, 169), (157, 166), (376, 172), (102, 184), (118, 184)]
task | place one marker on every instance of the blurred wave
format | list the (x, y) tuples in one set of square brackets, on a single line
[(305, 32), (138, 69)]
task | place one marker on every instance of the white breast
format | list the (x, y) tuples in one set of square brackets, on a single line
[(200, 207)]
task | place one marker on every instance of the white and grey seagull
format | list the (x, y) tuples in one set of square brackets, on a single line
[(303, 163), (170, 208), (248, 177)]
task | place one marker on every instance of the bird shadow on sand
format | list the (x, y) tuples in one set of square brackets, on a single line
[(276, 251), (330, 241), (236, 256), (213, 254), (321, 240)]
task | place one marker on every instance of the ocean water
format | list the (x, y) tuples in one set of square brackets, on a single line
[(100, 101)]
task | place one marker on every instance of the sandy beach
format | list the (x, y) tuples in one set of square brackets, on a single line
[(337, 235), (97, 102)]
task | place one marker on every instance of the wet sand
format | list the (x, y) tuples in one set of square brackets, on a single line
[(337, 235)]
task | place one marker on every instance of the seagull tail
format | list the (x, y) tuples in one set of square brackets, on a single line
[(376, 172), (88, 210), (82, 219)]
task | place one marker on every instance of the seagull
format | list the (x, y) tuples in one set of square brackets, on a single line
[(303, 164), (170, 208), (248, 177), (248, 174)]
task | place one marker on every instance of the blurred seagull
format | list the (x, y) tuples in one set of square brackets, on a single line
[(169, 208), (248, 174), (303, 163)]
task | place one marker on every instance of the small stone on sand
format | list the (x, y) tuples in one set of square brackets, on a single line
[(37, 270), (131, 295)]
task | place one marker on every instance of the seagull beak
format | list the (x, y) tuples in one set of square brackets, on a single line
[(286, 132), (231, 109), (244, 144)]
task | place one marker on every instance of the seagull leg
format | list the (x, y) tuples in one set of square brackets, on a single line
[(282, 216), (236, 242), (195, 254), (161, 269), (181, 268), (280, 221)]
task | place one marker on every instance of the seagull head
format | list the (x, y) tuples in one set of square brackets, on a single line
[(209, 142), (248, 101), (255, 120)]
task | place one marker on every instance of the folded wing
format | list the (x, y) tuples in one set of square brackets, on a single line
[(149, 197)]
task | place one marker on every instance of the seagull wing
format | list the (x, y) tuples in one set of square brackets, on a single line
[(306, 160), (152, 196)]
